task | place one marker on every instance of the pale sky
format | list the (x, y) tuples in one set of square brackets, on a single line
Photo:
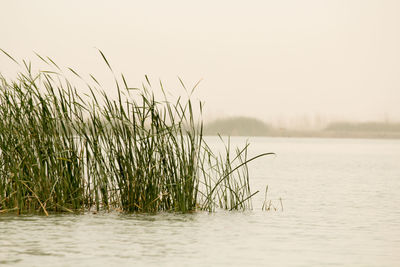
[(274, 60)]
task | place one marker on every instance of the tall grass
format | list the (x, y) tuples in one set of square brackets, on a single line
[(61, 150)]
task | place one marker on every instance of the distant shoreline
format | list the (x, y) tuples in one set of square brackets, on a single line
[(320, 134), (243, 126)]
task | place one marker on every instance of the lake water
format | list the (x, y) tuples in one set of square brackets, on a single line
[(341, 207)]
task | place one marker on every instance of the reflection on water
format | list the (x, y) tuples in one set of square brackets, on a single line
[(340, 200)]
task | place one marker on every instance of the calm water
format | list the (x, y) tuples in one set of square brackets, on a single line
[(341, 201)]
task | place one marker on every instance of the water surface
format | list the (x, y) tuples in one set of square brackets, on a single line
[(340, 208)]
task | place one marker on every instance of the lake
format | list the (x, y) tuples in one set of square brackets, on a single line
[(340, 207)]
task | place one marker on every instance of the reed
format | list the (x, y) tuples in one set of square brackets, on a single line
[(61, 150)]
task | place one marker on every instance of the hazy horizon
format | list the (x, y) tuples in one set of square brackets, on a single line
[(302, 122), (278, 61)]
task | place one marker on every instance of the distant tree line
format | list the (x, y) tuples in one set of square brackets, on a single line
[(239, 126), (363, 127), (247, 126)]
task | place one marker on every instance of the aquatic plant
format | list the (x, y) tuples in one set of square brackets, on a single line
[(64, 150)]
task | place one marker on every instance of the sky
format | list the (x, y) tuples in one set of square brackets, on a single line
[(286, 61)]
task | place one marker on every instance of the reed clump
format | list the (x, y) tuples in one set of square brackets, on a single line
[(63, 150)]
